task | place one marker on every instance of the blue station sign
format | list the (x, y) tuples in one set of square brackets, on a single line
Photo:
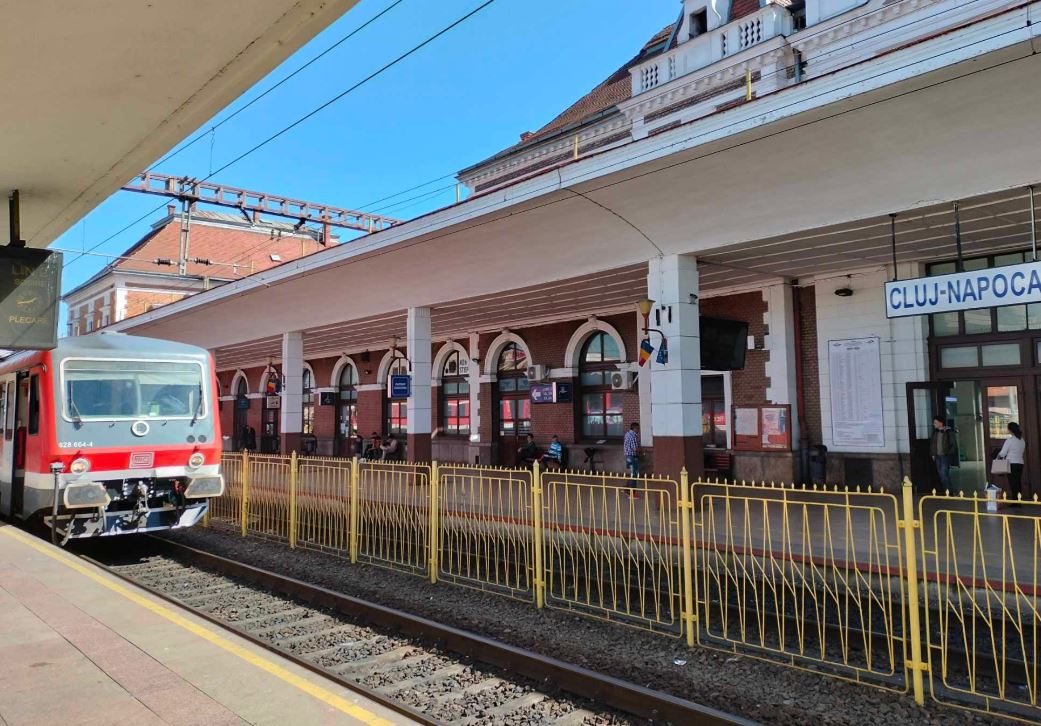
[(400, 386), (996, 287)]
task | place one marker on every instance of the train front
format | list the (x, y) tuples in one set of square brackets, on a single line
[(137, 437)]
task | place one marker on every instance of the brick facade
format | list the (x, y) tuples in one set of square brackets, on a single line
[(548, 347)]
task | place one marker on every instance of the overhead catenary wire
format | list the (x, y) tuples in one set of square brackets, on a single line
[(451, 174), (312, 113), (434, 237), (783, 70), (682, 141)]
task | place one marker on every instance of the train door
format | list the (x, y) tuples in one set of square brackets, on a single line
[(23, 406), (8, 388)]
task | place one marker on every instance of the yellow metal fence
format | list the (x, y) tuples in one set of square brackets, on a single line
[(940, 595)]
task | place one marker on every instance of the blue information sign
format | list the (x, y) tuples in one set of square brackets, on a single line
[(541, 392), (400, 386)]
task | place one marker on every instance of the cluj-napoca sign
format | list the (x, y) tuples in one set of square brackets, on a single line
[(996, 287)]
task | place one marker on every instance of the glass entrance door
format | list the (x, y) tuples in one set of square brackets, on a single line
[(924, 400), (1002, 400), (963, 408)]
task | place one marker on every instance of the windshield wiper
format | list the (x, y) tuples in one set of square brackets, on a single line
[(77, 420), (195, 416)]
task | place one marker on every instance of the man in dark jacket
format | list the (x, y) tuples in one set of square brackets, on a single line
[(529, 453), (942, 447)]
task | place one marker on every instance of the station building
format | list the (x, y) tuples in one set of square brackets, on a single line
[(216, 248), (801, 168)]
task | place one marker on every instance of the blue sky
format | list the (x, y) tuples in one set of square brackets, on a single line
[(469, 94)]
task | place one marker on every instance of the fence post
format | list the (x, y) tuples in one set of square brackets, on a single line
[(909, 524), (355, 486), (434, 503), (294, 473), (686, 510), (244, 504), (539, 580)]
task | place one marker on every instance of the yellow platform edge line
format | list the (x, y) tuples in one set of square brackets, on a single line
[(328, 697)]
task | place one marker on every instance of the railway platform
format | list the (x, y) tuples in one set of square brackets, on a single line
[(79, 644)]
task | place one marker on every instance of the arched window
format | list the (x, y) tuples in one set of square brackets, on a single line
[(601, 407), (514, 407), (347, 409), (397, 408), (455, 395), (307, 409)]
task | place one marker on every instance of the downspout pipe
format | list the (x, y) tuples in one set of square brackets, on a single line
[(800, 389)]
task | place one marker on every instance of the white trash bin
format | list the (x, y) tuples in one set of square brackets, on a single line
[(992, 497)]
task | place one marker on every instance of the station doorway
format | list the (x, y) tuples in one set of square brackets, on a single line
[(978, 410)]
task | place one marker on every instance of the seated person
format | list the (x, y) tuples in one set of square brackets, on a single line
[(554, 456), (529, 453), (391, 448), (375, 448)]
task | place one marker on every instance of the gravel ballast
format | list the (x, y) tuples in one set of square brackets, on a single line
[(745, 686)]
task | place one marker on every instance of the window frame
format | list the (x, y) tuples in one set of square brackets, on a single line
[(459, 398), (307, 407), (601, 391), (395, 410)]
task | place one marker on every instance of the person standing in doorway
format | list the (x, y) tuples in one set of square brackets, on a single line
[(1014, 450), (941, 447)]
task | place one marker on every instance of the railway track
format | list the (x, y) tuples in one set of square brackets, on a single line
[(427, 671)]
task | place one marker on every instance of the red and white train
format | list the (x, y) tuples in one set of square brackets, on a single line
[(109, 434)]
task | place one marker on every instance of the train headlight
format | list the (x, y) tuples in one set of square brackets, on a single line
[(196, 460), (205, 486), (79, 466)]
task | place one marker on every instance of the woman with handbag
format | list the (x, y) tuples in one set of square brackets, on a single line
[(1010, 462)]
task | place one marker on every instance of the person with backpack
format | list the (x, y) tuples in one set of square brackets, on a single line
[(942, 446)]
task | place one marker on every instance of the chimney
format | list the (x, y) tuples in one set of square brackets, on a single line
[(171, 209), (526, 135)]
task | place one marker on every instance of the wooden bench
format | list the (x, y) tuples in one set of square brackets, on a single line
[(718, 464)]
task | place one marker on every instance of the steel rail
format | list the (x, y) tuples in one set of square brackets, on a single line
[(599, 688)]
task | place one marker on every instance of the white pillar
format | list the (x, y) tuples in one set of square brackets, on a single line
[(780, 347), (474, 379), (292, 405), (672, 282), (420, 420)]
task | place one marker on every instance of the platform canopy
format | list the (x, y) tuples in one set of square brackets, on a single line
[(94, 92)]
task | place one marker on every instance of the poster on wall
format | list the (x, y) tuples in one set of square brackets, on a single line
[(855, 374), (762, 428)]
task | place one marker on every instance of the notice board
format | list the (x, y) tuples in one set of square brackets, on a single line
[(763, 428), (855, 376)]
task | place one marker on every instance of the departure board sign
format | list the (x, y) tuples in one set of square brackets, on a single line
[(30, 291)]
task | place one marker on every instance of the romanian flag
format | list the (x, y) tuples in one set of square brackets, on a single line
[(645, 351)]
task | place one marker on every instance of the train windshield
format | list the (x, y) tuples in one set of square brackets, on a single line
[(115, 389)]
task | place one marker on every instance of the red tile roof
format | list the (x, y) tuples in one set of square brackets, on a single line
[(741, 8), (618, 87)]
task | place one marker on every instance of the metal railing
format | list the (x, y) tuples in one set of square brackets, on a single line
[(485, 526), (940, 595), (810, 578), (612, 548)]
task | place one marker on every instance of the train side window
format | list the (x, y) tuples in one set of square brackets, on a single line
[(34, 404), (3, 408), (12, 389)]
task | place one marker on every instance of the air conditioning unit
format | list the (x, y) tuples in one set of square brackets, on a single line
[(536, 372), (622, 380)]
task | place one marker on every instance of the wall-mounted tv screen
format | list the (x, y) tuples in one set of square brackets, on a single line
[(723, 344)]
